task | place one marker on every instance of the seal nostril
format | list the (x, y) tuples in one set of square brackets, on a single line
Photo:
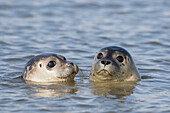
[(106, 62), (70, 64), (103, 62)]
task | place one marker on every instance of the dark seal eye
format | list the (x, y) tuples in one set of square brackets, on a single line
[(51, 64), (99, 56), (120, 58), (40, 65)]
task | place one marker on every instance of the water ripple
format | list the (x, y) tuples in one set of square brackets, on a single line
[(77, 29)]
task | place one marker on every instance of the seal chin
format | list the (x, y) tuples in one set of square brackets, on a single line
[(64, 79), (102, 75)]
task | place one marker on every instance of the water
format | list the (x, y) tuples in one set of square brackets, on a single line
[(77, 29)]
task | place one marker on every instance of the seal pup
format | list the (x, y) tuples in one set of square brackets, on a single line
[(113, 64), (49, 68)]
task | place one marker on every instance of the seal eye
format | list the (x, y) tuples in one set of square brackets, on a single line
[(99, 56), (120, 58), (51, 64)]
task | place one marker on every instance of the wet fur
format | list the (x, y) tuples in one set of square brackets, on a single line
[(34, 72), (125, 71)]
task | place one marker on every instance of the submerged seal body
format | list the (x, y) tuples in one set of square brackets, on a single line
[(113, 64), (49, 68)]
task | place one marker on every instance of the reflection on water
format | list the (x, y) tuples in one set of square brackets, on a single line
[(113, 90), (77, 29), (52, 90)]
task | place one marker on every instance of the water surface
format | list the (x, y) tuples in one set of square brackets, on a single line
[(77, 29)]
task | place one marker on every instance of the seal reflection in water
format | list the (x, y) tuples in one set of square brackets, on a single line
[(49, 68), (113, 64), (51, 89), (113, 90)]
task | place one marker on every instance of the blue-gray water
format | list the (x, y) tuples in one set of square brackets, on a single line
[(77, 29)]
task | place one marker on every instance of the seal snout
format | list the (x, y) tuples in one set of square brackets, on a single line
[(106, 62), (74, 66)]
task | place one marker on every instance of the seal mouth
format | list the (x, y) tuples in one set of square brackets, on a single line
[(103, 72), (104, 75), (69, 75)]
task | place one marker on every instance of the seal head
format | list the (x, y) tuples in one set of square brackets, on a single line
[(113, 64), (49, 68)]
